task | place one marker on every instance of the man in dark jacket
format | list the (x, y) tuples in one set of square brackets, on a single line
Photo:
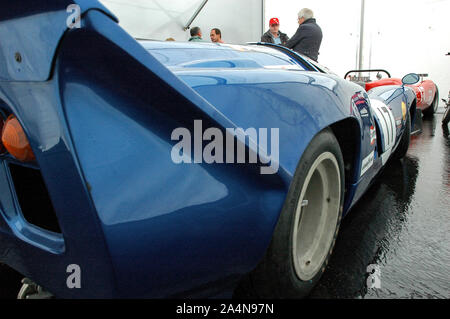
[(274, 35), (308, 38)]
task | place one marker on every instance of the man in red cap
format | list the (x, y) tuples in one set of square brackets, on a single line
[(274, 35)]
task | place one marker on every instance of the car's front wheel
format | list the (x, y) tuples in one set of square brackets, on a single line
[(308, 226)]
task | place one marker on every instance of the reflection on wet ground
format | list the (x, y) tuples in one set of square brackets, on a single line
[(402, 225)]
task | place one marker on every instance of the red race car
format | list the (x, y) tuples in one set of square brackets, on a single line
[(426, 90)]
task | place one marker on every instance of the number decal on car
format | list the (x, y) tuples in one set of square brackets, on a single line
[(388, 127)]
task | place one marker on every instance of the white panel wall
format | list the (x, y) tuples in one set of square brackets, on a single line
[(401, 36), (240, 21), (410, 36)]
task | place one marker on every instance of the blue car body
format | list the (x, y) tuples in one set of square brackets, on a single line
[(99, 108)]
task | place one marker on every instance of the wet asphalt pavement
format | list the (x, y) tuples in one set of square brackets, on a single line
[(402, 225)]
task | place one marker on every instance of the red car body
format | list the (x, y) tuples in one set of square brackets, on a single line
[(426, 92)]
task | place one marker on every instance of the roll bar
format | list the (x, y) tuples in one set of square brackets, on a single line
[(371, 71)]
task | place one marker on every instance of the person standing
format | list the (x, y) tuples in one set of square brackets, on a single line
[(274, 35), (308, 38), (216, 36), (196, 35)]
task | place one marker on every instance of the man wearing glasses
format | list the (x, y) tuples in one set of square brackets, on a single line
[(308, 38), (274, 35)]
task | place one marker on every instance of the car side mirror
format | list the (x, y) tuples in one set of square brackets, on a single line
[(411, 79)]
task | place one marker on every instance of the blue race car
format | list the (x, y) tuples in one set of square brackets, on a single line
[(161, 169)]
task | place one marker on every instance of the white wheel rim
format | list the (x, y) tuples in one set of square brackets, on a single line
[(316, 216)]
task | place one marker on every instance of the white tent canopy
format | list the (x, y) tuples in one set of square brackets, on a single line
[(239, 21)]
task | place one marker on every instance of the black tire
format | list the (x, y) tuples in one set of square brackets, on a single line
[(277, 276), (430, 111), (403, 147)]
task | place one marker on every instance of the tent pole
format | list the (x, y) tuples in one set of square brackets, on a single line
[(197, 12), (361, 34)]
